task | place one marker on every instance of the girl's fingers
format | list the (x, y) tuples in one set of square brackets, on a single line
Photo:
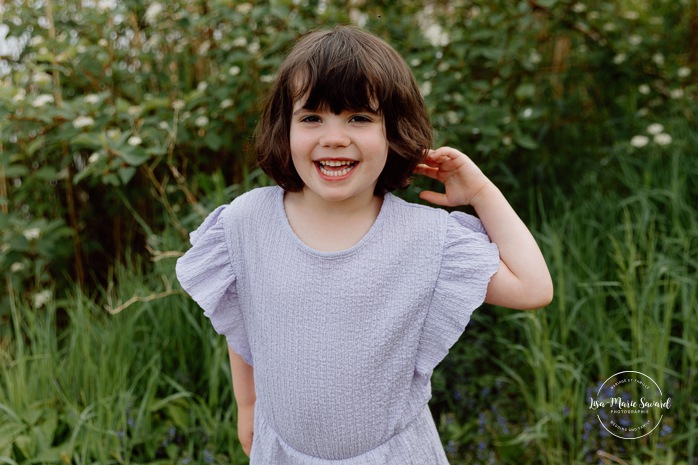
[(426, 169), (435, 198)]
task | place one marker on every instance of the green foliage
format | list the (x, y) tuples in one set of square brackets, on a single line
[(122, 123), (115, 114)]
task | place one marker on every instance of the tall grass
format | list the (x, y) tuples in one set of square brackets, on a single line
[(150, 384), (623, 253)]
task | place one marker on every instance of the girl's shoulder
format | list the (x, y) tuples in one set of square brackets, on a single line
[(252, 203)]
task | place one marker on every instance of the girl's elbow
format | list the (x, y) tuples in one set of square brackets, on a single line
[(545, 295)]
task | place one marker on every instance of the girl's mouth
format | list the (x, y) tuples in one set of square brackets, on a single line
[(335, 168)]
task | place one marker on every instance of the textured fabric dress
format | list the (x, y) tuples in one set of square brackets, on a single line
[(343, 344)]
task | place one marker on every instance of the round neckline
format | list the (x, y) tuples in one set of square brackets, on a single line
[(281, 210)]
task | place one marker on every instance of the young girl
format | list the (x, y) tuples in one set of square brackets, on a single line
[(337, 298)]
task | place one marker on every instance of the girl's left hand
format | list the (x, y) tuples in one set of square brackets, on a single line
[(462, 179)]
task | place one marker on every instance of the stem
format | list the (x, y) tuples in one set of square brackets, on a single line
[(70, 193), (3, 185)]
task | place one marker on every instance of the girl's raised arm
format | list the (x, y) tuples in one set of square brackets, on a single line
[(523, 280)]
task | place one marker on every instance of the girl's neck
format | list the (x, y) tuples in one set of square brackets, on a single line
[(330, 226)]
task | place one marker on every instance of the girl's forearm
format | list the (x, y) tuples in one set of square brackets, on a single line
[(530, 284), (243, 380)]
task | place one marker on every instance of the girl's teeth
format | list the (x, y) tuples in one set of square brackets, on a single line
[(334, 164), (334, 172)]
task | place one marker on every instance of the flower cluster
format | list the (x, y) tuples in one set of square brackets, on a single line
[(659, 137)]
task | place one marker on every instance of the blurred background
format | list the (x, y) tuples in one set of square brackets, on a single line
[(124, 122)]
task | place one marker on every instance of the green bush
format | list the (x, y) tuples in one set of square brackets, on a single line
[(119, 117)]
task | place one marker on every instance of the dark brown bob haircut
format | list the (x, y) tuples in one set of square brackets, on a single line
[(345, 68)]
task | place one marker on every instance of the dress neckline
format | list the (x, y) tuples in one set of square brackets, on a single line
[(286, 226)]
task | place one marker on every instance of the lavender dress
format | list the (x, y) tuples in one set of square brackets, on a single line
[(343, 344)]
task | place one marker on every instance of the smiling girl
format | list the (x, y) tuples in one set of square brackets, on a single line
[(337, 298)]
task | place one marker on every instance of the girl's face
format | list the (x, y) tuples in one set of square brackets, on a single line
[(338, 157)]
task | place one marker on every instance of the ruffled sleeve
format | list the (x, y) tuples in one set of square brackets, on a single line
[(468, 262), (206, 273)]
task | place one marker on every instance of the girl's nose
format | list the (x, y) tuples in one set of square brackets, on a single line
[(334, 136)]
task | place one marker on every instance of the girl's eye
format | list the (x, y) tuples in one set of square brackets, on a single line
[(360, 119), (310, 119)]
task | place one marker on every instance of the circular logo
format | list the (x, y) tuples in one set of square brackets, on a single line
[(629, 405)]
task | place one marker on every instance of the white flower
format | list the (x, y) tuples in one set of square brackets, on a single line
[(655, 128), (506, 140), (579, 7), (266, 78), (41, 77), (201, 121), (135, 110), (234, 70), (658, 58), (153, 11), (425, 88), (42, 100), (240, 42), (93, 158), (676, 93), (620, 58), (19, 96), (632, 15), (244, 8), (32, 233), (253, 47), (684, 71), (443, 67), (227, 103), (113, 134), (83, 121), (41, 298), (36, 41), (134, 140), (105, 5), (178, 104), (635, 39), (92, 98), (639, 141), (435, 34), (202, 86), (415, 62), (534, 57), (102, 42), (644, 89), (452, 117), (16, 266), (163, 125), (527, 113), (609, 27), (663, 139)]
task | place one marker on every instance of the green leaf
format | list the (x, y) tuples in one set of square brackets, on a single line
[(526, 141), (25, 445), (213, 140), (134, 156), (126, 174), (525, 91), (16, 171), (86, 139), (47, 173)]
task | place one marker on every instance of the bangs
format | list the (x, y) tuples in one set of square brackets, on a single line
[(343, 86)]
